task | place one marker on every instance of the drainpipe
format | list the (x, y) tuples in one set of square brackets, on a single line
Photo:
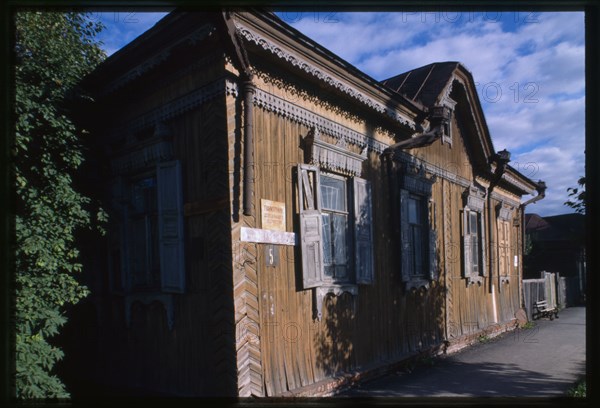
[(541, 190), (248, 89), (501, 158)]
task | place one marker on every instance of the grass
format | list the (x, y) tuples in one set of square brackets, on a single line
[(578, 390), (484, 338), (528, 325)]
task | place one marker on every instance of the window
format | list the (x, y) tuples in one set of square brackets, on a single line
[(147, 239), (504, 256), (143, 224), (473, 252), (335, 228), (417, 236)]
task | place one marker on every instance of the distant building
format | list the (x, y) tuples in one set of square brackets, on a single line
[(557, 244)]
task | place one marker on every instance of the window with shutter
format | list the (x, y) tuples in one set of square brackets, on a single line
[(417, 240), (170, 227), (473, 245), (336, 236), (363, 231), (311, 226), (146, 250)]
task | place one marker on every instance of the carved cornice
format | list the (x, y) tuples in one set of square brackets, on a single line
[(336, 158), (280, 106), (512, 180), (474, 198), (504, 212), (438, 171), (142, 158), (155, 60), (180, 105), (311, 69), (504, 199)]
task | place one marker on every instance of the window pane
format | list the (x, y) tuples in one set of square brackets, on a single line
[(413, 211), (475, 253), (473, 222), (418, 250), (340, 228), (333, 193), (327, 256)]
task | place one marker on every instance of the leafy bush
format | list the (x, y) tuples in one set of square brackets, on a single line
[(53, 52)]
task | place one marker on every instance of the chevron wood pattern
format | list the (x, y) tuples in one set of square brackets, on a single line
[(245, 279)]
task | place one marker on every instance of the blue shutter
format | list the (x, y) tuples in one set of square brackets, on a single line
[(311, 226), (363, 231), (170, 227), (406, 247)]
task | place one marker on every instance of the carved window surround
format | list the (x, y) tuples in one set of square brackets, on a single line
[(165, 299), (336, 158), (505, 213), (474, 200), (321, 293)]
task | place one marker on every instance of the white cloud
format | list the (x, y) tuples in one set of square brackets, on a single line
[(530, 64), (530, 79)]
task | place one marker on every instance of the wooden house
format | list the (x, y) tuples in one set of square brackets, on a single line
[(282, 223)]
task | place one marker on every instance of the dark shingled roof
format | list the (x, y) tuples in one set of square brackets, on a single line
[(423, 84)]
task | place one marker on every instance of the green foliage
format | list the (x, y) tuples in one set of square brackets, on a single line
[(528, 325), (579, 390), (577, 196), (53, 52)]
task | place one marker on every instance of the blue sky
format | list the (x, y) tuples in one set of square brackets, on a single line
[(529, 69)]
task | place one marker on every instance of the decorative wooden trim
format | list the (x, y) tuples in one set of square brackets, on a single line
[(180, 105), (206, 206), (336, 158), (146, 298), (141, 158), (311, 69), (262, 236), (505, 200), (155, 60), (321, 293), (298, 114), (416, 284), (474, 198), (512, 180), (472, 279), (504, 212), (437, 171)]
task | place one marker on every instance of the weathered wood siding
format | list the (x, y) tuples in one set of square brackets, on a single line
[(197, 355), (382, 323)]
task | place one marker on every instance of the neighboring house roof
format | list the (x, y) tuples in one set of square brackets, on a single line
[(565, 227)]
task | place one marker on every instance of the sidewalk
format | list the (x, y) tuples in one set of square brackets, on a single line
[(539, 362)]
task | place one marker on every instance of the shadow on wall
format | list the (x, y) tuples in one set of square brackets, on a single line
[(335, 351)]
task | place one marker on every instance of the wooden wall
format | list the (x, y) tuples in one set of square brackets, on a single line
[(382, 323), (197, 355), (288, 348)]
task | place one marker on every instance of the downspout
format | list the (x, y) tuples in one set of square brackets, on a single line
[(541, 190), (501, 158), (239, 58)]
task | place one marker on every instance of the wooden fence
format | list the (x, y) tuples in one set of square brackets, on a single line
[(550, 287)]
